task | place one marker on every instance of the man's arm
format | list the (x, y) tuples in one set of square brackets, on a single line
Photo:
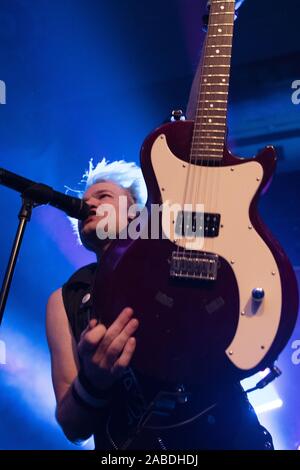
[(104, 354), (76, 422)]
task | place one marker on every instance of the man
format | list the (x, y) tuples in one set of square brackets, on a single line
[(101, 364), (96, 390), (89, 361)]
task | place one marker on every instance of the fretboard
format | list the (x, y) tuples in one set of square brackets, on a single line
[(212, 101)]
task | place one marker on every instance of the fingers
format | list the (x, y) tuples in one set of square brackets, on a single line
[(108, 350), (91, 338), (92, 323), (115, 328), (125, 357), (108, 357)]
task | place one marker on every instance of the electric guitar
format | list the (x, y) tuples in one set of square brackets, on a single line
[(218, 302)]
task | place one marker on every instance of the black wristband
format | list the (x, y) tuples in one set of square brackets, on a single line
[(91, 389), (80, 401), (85, 399)]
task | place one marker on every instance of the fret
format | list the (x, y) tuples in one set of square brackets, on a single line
[(221, 25), (206, 141), (222, 13), (219, 35), (218, 85), (209, 139), (214, 153), (200, 153), (215, 101), (221, 126), (214, 84), (208, 149), (215, 76), (205, 84), (212, 115), (217, 117), (221, 45), (217, 56), (225, 65), (209, 134), (204, 118), (216, 144), (199, 125), (215, 79), (213, 109), (214, 93), (216, 45), (213, 124)]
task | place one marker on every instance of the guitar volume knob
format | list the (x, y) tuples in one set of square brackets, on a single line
[(258, 294)]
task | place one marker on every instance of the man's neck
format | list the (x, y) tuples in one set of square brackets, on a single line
[(99, 252)]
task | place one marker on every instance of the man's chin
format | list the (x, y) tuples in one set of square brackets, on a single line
[(93, 243)]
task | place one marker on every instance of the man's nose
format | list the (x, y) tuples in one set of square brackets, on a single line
[(92, 202)]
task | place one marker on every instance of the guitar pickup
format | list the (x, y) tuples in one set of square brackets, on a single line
[(197, 224), (189, 264)]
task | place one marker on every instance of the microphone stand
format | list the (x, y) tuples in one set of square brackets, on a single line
[(24, 217), (33, 195)]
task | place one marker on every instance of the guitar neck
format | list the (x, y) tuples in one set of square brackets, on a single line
[(212, 101)]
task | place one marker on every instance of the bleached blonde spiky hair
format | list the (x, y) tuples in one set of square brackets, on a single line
[(125, 174)]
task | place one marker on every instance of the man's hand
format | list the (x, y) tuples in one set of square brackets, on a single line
[(106, 352)]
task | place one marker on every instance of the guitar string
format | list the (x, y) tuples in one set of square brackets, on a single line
[(215, 179), (189, 185), (198, 169), (227, 30), (204, 148), (188, 182), (204, 144), (210, 194)]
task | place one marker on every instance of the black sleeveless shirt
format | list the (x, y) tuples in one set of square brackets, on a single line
[(76, 293), (215, 417)]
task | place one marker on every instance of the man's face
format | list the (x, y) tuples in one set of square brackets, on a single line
[(99, 194)]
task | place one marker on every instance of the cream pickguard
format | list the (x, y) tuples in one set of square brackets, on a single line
[(228, 191)]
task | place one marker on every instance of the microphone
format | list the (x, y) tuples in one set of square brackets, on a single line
[(44, 194)]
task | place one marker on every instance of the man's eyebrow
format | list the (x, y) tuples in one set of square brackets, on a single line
[(99, 191)]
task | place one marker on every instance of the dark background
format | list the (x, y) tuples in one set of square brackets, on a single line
[(91, 78)]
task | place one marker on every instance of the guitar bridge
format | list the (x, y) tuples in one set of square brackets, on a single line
[(194, 265)]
